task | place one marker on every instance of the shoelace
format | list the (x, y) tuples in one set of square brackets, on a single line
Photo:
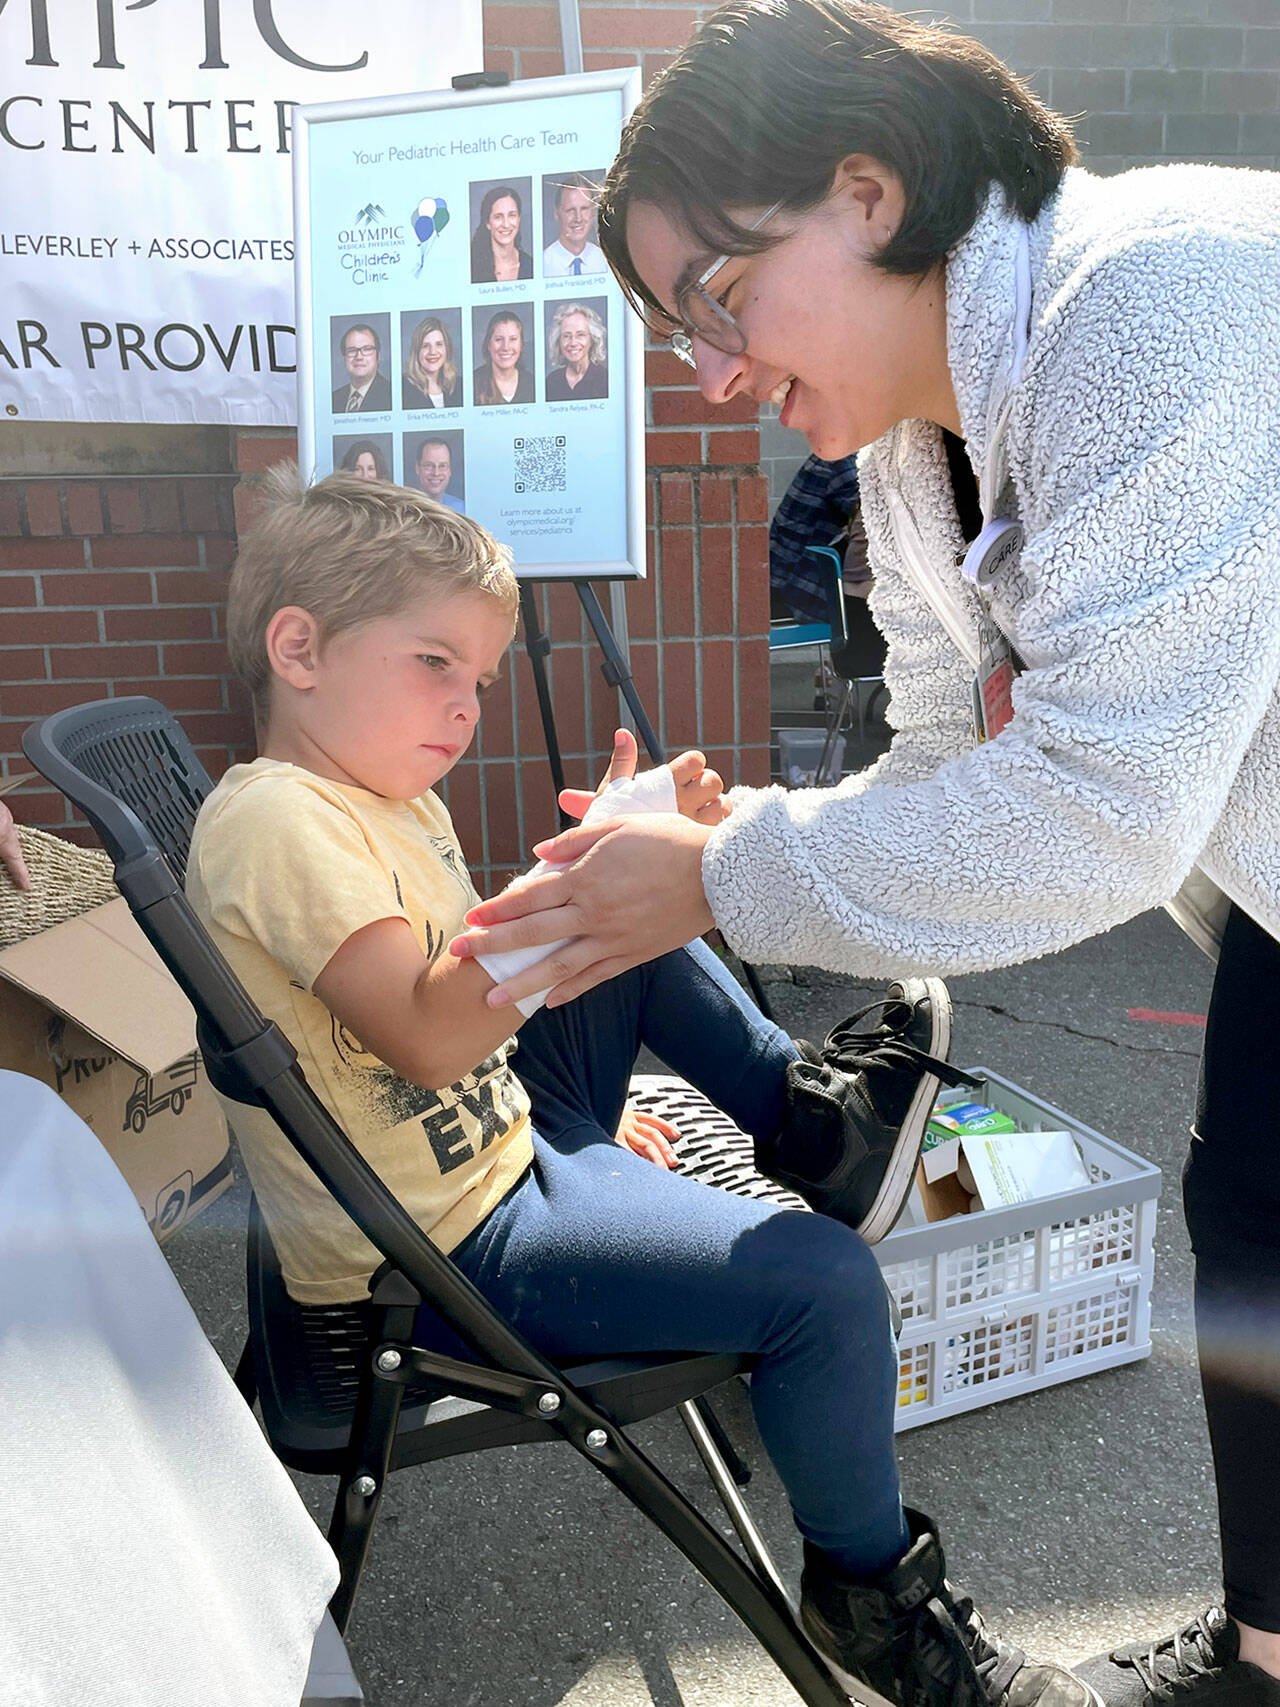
[(943, 1679), (1191, 1650), (997, 1663), (885, 1046)]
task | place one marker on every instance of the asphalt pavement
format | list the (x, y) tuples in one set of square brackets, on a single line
[(1077, 1516)]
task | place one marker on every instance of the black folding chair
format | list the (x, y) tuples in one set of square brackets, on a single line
[(344, 1390), (857, 651)]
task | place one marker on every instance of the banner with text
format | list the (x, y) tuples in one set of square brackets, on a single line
[(146, 243)]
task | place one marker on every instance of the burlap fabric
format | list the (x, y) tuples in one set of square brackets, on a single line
[(65, 881)]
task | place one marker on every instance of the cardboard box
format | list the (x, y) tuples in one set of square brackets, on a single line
[(88, 1007)]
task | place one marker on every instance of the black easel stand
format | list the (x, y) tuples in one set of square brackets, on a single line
[(617, 672)]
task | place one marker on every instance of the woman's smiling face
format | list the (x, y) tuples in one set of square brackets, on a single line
[(575, 340), (845, 349), (506, 342), (504, 221), (433, 352)]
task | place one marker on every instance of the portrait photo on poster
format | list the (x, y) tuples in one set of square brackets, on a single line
[(502, 337), (368, 457), (431, 358), (433, 463), (569, 246), (500, 220), (359, 344), (577, 344)]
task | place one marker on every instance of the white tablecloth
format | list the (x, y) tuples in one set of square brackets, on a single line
[(153, 1553)]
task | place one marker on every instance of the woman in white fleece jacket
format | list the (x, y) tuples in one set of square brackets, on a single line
[(817, 204)]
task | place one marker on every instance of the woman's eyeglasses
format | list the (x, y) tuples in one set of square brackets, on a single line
[(701, 316)]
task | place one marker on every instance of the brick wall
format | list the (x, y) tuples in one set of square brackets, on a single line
[(113, 587), (1152, 80)]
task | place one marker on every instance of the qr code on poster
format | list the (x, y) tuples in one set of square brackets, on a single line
[(539, 464)]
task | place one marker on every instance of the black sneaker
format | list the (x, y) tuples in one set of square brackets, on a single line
[(1010, 1679), (856, 1110), (907, 1636), (1198, 1664)]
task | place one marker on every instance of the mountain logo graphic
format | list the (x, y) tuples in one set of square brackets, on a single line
[(370, 214)]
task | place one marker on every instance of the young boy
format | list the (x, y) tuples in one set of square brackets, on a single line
[(369, 621)]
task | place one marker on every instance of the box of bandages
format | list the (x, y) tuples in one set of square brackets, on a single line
[(87, 1007)]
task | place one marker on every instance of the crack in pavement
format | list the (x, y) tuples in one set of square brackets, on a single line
[(875, 993), (1074, 1031)]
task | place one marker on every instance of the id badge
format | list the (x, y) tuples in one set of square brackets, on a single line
[(993, 684)]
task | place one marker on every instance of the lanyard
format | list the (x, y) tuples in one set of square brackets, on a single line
[(1001, 539)]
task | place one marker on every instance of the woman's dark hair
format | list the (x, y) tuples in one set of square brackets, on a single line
[(481, 242), (769, 97), (366, 447)]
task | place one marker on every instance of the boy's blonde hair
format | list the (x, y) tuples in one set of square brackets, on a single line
[(349, 551)]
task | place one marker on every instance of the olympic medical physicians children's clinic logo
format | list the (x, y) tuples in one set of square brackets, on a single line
[(370, 246), (429, 219)]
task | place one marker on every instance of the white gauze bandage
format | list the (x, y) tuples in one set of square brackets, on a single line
[(651, 791)]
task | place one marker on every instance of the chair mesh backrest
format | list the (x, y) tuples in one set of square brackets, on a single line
[(146, 761)]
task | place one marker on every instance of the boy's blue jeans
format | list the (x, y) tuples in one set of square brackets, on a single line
[(596, 1250)]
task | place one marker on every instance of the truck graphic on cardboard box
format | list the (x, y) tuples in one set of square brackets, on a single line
[(154, 1093)]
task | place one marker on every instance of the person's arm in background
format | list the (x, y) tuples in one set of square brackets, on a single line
[(11, 850)]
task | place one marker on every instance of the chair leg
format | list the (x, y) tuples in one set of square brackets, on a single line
[(737, 1465), (245, 1380), (368, 1460), (833, 730), (748, 1592), (702, 1432), (350, 1536), (757, 989)]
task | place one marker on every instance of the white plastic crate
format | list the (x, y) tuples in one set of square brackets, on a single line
[(1006, 1301), (997, 1303)]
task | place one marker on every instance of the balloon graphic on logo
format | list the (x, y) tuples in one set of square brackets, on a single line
[(429, 219)]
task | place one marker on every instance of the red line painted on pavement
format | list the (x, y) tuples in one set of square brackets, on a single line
[(1153, 1016)]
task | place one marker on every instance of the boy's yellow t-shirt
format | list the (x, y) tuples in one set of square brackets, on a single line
[(284, 867)]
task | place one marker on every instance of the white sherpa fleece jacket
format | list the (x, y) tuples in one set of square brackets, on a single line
[(1144, 448)]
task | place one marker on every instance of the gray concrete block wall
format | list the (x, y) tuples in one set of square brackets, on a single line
[(1146, 81)]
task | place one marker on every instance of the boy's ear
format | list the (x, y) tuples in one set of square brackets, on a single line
[(292, 640)]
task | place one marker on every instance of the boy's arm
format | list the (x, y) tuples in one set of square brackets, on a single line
[(427, 1021)]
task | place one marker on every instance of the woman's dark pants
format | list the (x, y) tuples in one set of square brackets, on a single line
[(1231, 1189)]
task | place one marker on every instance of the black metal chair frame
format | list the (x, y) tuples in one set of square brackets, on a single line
[(852, 655), (128, 766)]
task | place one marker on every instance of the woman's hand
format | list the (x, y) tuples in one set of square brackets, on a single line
[(632, 891), (699, 791), (11, 849), (647, 1135)]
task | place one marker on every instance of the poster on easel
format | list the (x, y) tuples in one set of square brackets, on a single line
[(458, 329)]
